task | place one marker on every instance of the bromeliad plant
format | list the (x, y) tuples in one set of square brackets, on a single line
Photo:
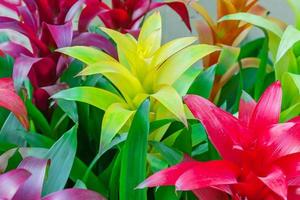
[(229, 33), (47, 25), (145, 69), (260, 156)]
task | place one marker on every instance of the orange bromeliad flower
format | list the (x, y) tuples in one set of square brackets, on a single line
[(229, 33)]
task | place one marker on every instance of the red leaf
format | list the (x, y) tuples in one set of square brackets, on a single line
[(268, 108), (276, 181), (224, 130), (11, 101), (167, 176), (210, 194), (205, 174), (92, 9), (179, 7), (247, 106)]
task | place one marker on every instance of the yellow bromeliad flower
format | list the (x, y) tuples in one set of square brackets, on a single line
[(145, 69)]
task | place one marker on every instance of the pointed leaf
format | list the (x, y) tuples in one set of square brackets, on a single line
[(11, 181), (133, 163), (268, 108), (114, 119), (174, 67), (32, 188), (170, 99), (62, 34), (88, 55), (99, 98), (61, 155), (11, 101), (289, 38)]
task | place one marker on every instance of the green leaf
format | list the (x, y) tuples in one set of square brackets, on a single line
[(261, 72), (99, 98), (62, 155), (38, 118), (289, 38), (295, 6), (134, 153), (184, 82), (227, 59), (70, 108), (256, 20), (171, 100), (114, 119), (171, 156), (203, 84)]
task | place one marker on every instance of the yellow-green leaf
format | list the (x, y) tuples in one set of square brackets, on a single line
[(114, 119), (119, 75), (174, 67), (171, 100), (88, 55), (169, 49), (150, 36), (99, 98)]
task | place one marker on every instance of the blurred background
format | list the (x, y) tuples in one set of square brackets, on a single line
[(174, 28)]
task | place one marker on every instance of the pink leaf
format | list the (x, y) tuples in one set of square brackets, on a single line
[(62, 34), (11, 181), (74, 194), (32, 188)]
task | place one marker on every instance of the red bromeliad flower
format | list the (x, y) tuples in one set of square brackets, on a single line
[(26, 183), (48, 25), (127, 15), (261, 157)]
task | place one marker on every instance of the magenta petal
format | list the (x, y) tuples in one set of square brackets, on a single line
[(167, 176), (247, 106), (11, 181), (268, 108), (223, 129), (14, 49), (28, 18), (62, 34), (32, 188), (74, 194), (95, 40), (206, 174), (293, 193), (276, 181), (22, 66)]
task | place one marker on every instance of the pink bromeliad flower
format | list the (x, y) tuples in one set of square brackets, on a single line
[(26, 183), (261, 157)]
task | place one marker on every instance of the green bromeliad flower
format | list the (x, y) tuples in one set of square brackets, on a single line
[(145, 69)]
